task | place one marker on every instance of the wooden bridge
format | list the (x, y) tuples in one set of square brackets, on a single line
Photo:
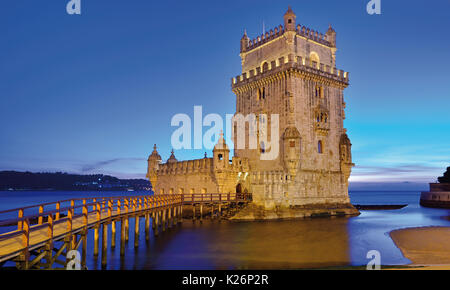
[(32, 245)]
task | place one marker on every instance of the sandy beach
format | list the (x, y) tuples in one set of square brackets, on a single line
[(428, 248)]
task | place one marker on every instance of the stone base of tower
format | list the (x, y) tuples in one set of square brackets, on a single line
[(254, 212)]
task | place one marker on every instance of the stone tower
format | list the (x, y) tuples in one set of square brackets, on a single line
[(290, 71)]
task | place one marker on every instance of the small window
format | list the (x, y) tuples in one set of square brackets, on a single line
[(290, 21), (292, 144), (220, 156), (320, 147), (263, 148)]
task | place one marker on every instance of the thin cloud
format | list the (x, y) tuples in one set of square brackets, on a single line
[(105, 163)]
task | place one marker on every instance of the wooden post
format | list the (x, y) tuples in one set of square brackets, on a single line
[(84, 235), (169, 217), (41, 211), (96, 229), (127, 231), (69, 237), (104, 244), (136, 232), (201, 212), (165, 214), (122, 236), (25, 257), (20, 222), (181, 214), (153, 219), (175, 215), (58, 207), (73, 237), (49, 245), (156, 229), (147, 226), (193, 212), (212, 210), (113, 234)]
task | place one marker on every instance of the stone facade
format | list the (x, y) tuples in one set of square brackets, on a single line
[(289, 71)]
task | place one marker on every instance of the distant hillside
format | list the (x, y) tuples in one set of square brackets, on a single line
[(64, 181)]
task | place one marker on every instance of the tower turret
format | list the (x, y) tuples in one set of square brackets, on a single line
[(289, 20), (244, 41), (221, 153), (331, 36), (154, 160), (172, 158)]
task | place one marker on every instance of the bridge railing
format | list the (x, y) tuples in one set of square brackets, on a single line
[(215, 197), (52, 213)]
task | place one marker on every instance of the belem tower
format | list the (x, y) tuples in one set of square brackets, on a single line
[(289, 71)]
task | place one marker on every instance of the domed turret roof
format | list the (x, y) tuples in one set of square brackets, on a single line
[(289, 12), (155, 155), (172, 158), (291, 132), (221, 145)]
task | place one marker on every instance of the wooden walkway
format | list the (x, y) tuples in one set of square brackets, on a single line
[(40, 227)]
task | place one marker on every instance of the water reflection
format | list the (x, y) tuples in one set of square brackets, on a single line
[(306, 243)]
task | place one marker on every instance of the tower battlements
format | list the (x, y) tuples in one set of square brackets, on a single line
[(302, 65), (301, 31)]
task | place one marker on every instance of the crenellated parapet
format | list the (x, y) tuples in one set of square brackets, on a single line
[(304, 66), (186, 167), (279, 31)]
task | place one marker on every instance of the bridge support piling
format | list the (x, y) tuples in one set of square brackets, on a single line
[(96, 238), (170, 217), (153, 220), (136, 232), (220, 210), (127, 229), (156, 229), (180, 220), (147, 226), (201, 213), (212, 211), (113, 234), (193, 212), (163, 220), (122, 237), (84, 248), (104, 244)]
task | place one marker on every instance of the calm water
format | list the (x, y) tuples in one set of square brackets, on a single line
[(248, 245)]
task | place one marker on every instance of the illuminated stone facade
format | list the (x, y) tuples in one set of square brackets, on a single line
[(289, 71)]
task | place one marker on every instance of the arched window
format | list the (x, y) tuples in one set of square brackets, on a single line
[(263, 147), (220, 156), (314, 57), (320, 147)]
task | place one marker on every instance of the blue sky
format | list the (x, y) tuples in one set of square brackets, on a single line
[(93, 93)]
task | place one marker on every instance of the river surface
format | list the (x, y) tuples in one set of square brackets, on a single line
[(308, 243)]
